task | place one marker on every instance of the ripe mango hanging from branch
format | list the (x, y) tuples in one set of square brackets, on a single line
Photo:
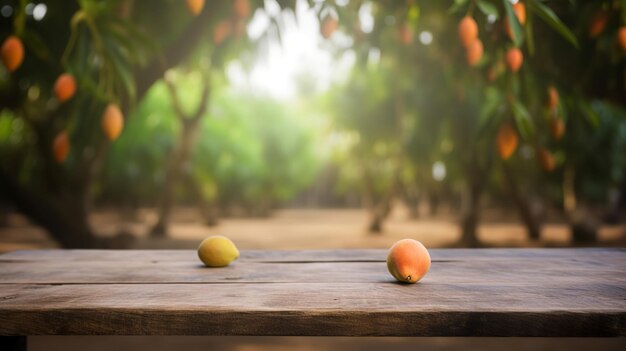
[(112, 121)]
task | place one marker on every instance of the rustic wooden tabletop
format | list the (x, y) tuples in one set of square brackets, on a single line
[(477, 292)]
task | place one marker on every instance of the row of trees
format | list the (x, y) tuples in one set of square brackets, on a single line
[(242, 156), (486, 87), (114, 52), (520, 101)]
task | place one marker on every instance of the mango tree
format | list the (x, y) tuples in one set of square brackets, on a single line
[(71, 72)]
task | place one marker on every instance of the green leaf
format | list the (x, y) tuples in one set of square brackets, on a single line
[(140, 47), (458, 5), (122, 68), (548, 16), (494, 101), (413, 13), (516, 28), (592, 116), (20, 17), (487, 8), (522, 120), (34, 42), (530, 39)]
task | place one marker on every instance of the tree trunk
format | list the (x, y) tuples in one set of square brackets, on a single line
[(65, 220), (208, 209), (433, 203), (179, 155), (210, 213), (476, 176), (378, 215), (569, 193), (379, 206), (528, 217), (5, 210), (470, 211), (411, 199), (376, 224), (583, 227), (59, 202), (414, 209)]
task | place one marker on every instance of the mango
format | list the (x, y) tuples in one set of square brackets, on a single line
[(217, 251), (408, 261)]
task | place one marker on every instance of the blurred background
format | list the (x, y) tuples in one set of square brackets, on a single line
[(312, 124)]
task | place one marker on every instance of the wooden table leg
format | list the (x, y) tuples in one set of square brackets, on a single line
[(13, 343)]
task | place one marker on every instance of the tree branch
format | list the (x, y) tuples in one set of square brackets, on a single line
[(204, 100), (179, 50), (176, 104)]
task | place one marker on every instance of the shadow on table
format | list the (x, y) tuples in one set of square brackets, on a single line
[(190, 343)]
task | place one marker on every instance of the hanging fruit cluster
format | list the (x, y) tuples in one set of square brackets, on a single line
[(468, 36), (68, 84)]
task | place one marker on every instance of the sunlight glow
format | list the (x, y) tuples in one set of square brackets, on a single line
[(299, 55), (39, 12), (366, 18), (28, 9), (439, 171), (426, 37)]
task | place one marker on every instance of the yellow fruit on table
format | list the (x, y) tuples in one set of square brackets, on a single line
[(408, 261), (217, 251), (64, 87), (12, 53)]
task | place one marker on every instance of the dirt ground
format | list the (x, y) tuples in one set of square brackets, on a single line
[(307, 229)]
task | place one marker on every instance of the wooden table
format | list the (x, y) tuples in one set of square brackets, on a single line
[(479, 292)]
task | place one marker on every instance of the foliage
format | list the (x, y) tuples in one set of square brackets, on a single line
[(414, 97), (455, 108), (243, 154)]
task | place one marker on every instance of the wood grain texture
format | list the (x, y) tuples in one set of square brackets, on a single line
[(486, 292)]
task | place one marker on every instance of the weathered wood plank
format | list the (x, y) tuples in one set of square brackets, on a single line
[(313, 255), (524, 273), (304, 309), (578, 292), (518, 267), (387, 296)]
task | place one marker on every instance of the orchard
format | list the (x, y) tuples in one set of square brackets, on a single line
[(127, 103)]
